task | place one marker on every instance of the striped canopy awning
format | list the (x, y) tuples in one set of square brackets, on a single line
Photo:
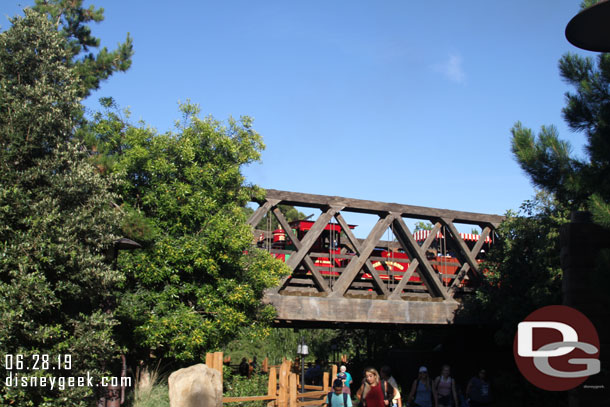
[(421, 235)]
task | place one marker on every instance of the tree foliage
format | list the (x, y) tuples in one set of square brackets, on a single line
[(523, 267), (56, 220), (579, 183), (70, 18), (63, 206), (270, 223), (198, 280), (282, 343)]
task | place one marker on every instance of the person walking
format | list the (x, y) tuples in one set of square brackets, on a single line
[(386, 374), (422, 391), (374, 391), (478, 390), (347, 380), (337, 398), (445, 389), (244, 367)]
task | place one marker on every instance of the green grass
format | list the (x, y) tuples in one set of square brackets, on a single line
[(156, 396), (151, 390)]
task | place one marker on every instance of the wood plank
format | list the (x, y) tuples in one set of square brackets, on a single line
[(311, 237), (319, 280), (379, 208), (475, 251), (354, 266), (432, 236), (282, 399), (362, 310), (311, 386), (403, 282), (313, 394), (272, 383), (292, 392), (357, 245), (463, 248), (397, 292), (218, 362), (311, 402), (261, 211), (426, 271), (249, 398)]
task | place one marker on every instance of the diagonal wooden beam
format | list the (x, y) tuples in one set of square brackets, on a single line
[(287, 228), (354, 266), (404, 280), (414, 262), (466, 266), (311, 237), (317, 277), (431, 236), (261, 211), (381, 286), (426, 271), (462, 247)]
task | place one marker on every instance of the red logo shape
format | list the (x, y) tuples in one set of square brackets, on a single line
[(556, 348)]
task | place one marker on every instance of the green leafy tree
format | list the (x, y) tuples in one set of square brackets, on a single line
[(56, 222), (71, 19), (523, 267), (421, 225), (198, 280), (269, 221), (282, 343)]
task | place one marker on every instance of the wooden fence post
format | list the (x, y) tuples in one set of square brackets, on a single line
[(283, 391), (265, 367), (218, 362), (209, 360), (325, 380), (292, 401), (272, 386)]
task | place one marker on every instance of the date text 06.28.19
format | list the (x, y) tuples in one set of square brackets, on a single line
[(37, 361)]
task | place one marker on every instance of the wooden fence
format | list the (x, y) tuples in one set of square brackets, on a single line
[(283, 388)]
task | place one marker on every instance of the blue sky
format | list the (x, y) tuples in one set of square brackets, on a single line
[(396, 101)]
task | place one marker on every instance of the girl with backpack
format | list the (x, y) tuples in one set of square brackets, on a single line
[(422, 393), (375, 392), (337, 398), (445, 389)]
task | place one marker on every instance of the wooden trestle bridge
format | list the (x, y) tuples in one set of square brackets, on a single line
[(357, 282)]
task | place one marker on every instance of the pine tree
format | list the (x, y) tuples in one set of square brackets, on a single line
[(56, 221), (580, 184), (70, 18)]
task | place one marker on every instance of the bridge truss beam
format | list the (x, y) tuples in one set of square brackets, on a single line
[(307, 295)]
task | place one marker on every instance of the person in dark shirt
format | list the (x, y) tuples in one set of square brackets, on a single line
[(478, 390), (244, 368)]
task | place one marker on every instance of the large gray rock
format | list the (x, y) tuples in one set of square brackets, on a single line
[(195, 386)]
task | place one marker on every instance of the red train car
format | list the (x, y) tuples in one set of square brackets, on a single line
[(331, 253)]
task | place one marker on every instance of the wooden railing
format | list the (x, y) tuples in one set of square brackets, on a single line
[(283, 388)]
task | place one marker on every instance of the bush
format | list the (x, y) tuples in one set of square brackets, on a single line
[(240, 386)]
